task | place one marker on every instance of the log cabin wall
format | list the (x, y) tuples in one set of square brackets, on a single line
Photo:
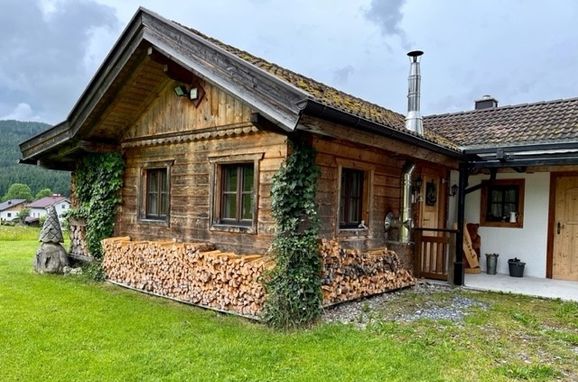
[(381, 189), (381, 160), (193, 142)]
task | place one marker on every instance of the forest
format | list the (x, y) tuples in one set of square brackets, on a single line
[(13, 133)]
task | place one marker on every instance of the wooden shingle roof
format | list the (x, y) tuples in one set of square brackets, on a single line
[(330, 96), (541, 122)]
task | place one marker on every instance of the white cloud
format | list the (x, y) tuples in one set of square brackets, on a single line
[(518, 51), (22, 112)]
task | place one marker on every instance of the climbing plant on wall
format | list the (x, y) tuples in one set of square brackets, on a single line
[(98, 180), (294, 286)]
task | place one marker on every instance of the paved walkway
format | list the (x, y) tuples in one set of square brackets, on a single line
[(530, 286)]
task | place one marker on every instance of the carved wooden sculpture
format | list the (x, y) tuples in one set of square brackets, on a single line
[(51, 256)]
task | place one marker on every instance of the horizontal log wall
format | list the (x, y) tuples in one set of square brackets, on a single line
[(196, 273), (174, 130), (383, 195)]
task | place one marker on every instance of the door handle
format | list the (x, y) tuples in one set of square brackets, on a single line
[(559, 226)]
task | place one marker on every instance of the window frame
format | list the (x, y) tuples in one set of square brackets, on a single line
[(487, 186), (218, 162), (346, 199), (144, 215), (367, 194), (239, 193)]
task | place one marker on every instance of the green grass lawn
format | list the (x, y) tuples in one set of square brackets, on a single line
[(65, 328)]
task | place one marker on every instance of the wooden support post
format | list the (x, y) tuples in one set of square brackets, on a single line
[(459, 254), (418, 254)]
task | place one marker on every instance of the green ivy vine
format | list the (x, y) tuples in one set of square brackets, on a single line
[(98, 180), (294, 286)]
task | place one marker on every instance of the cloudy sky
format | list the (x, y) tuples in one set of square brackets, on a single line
[(518, 51)]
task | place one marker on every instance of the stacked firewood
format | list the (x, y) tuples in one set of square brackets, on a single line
[(78, 246), (349, 274), (189, 272), (197, 273)]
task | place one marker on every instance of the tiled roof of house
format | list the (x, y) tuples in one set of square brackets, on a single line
[(11, 203), (46, 202), (328, 95), (541, 122)]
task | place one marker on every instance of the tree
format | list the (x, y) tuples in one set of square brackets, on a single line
[(18, 191), (43, 193), (23, 214)]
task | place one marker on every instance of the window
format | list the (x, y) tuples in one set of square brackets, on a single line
[(237, 188), (502, 203), (9, 215), (351, 198), (157, 194)]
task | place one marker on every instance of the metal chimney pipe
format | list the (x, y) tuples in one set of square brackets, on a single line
[(406, 219), (413, 121)]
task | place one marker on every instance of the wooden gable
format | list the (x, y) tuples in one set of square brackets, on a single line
[(169, 114)]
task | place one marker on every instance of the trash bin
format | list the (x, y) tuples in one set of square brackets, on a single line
[(491, 263), (516, 267)]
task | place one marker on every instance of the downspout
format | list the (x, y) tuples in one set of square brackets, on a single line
[(406, 214)]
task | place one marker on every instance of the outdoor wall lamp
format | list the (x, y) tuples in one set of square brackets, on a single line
[(454, 190), (192, 93), (181, 90)]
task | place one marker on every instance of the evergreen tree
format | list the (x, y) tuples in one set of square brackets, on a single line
[(13, 133)]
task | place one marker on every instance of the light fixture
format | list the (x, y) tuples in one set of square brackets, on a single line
[(193, 93), (454, 190), (181, 90)]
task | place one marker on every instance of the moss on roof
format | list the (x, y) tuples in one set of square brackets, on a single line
[(330, 96)]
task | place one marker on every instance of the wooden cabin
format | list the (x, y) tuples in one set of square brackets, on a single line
[(203, 127)]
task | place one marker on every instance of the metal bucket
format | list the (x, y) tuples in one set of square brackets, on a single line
[(491, 263)]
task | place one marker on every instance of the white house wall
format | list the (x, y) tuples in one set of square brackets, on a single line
[(528, 243), (4, 215)]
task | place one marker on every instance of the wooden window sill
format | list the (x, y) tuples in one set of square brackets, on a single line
[(164, 222), (223, 227)]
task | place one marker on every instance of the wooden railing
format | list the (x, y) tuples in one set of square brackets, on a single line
[(434, 250)]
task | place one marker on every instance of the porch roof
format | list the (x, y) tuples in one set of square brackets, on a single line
[(515, 136)]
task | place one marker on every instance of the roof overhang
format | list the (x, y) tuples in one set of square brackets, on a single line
[(329, 113), (524, 155), (276, 100)]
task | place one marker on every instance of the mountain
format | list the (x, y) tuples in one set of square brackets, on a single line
[(13, 133)]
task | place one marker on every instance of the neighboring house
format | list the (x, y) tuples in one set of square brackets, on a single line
[(524, 181), (199, 167), (9, 209), (38, 208)]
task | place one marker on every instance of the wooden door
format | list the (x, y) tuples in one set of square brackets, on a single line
[(432, 246), (565, 229), (432, 203)]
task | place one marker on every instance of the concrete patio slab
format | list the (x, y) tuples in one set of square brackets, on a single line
[(530, 286)]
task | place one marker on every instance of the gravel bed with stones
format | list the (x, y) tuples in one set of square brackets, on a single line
[(449, 305)]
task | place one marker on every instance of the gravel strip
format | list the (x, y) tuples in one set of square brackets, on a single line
[(453, 308)]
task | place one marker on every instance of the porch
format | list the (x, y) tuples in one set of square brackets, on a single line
[(529, 286)]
